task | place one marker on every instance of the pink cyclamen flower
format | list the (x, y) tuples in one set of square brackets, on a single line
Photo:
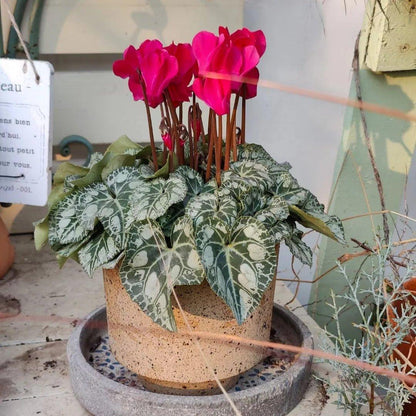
[(179, 89), (167, 139), (128, 67), (150, 65), (215, 56), (233, 58), (247, 41)]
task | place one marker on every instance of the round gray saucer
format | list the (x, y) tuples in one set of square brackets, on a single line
[(106, 388)]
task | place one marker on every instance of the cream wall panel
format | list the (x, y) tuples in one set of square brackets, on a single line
[(108, 26), (96, 105), (391, 36)]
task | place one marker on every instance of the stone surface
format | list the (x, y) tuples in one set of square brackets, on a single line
[(32, 292), (105, 397)]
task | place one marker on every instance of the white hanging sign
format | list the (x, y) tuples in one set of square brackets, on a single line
[(25, 132)]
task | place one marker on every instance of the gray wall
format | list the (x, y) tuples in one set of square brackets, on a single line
[(310, 45)]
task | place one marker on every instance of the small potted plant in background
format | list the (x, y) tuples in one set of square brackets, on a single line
[(187, 233)]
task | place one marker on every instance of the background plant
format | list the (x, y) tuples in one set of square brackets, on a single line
[(372, 294)]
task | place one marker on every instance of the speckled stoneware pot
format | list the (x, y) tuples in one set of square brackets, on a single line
[(170, 362)]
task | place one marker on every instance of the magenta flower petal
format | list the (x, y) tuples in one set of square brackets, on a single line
[(178, 88), (203, 44), (167, 139), (252, 78), (158, 69), (135, 87)]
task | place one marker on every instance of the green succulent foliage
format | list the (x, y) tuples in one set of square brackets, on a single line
[(151, 269), (240, 261)]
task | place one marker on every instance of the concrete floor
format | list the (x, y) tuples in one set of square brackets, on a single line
[(39, 308)]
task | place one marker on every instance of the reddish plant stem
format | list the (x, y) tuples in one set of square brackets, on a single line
[(218, 151), (211, 138), (150, 126), (178, 147), (181, 114), (227, 144), (232, 136), (191, 130), (243, 118)]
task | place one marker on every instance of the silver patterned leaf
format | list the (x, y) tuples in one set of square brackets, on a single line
[(240, 262), (281, 230), (150, 269), (276, 210), (113, 263), (252, 201), (299, 249), (254, 173), (65, 224), (155, 196), (76, 216), (95, 158), (98, 251), (192, 178), (208, 205)]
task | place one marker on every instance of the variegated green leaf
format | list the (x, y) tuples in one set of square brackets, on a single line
[(208, 205), (329, 225), (155, 197), (210, 187), (65, 224), (168, 219), (70, 251), (299, 249), (66, 169), (117, 162), (255, 152), (240, 262), (252, 201), (41, 232), (282, 230), (250, 172), (151, 269), (98, 251), (76, 215), (124, 146), (276, 210), (252, 151), (95, 158), (113, 263), (192, 178)]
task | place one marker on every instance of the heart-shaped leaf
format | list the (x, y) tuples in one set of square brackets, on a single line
[(192, 178), (151, 269), (240, 262), (98, 251), (155, 197), (276, 210), (207, 205)]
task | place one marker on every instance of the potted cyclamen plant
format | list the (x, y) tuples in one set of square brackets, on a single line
[(197, 221)]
